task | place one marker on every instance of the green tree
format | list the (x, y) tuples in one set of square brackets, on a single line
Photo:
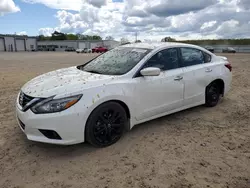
[(89, 37), (42, 38), (96, 37), (58, 36), (168, 39), (72, 37), (81, 36)]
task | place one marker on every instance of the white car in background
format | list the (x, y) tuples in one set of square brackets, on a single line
[(131, 84), (79, 50), (85, 50)]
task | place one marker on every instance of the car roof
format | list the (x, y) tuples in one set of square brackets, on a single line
[(158, 45)]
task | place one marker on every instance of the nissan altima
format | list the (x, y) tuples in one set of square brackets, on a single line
[(128, 85)]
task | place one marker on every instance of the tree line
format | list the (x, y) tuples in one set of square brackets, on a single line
[(219, 42), (245, 41), (63, 36)]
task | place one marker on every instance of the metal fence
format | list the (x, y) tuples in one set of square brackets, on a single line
[(238, 48)]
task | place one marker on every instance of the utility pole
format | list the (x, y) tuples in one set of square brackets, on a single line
[(135, 36)]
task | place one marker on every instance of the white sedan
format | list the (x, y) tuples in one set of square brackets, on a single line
[(128, 85), (85, 50)]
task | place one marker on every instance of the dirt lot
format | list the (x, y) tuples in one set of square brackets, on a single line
[(196, 148)]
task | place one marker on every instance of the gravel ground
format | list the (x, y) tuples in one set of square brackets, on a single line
[(196, 148)]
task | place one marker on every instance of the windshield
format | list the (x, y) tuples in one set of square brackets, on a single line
[(116, 62)]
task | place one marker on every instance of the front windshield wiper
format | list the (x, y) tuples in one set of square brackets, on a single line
[(94, 72)]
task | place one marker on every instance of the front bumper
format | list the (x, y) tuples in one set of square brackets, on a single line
[(68, 124)]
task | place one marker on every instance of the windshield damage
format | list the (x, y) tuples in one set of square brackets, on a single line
[(118, 61)]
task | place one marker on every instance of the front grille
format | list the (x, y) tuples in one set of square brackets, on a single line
[(21, 124), (24, 99)]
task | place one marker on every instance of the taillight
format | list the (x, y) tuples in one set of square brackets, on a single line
[(229, 66)]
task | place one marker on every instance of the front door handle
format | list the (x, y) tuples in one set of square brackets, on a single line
[(178, 78), (208, 70)]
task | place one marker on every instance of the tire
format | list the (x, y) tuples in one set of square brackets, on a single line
[(213, 94), (106, 124)]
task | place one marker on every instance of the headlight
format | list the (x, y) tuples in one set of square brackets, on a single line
[(51, 105)]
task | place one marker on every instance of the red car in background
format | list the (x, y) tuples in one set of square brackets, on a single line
[(99, 50)]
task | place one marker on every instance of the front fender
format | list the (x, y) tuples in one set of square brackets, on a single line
[(94, 97)]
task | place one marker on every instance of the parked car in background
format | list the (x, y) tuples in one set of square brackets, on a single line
[(51, 47), (210, 48), (131, 84), (70, 49), (39, 48), (79, 50), (87, 50), (229, 50), (99, 50)]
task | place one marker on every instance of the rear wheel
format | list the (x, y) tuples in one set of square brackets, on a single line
[(106, 124), (213, 94)]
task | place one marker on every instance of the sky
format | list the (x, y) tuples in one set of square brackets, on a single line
[(152, 20)]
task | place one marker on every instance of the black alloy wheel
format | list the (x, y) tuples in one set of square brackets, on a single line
[(106, 124), (212, 95)]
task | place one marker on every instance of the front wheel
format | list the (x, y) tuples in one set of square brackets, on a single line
[(106, 124), (213, 94)]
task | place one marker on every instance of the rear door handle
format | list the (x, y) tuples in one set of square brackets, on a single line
[(178, 78), (208, 70)]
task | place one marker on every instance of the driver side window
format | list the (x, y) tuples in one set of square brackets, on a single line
[(165, 60)]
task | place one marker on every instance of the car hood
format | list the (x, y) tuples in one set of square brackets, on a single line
[(62, 81)]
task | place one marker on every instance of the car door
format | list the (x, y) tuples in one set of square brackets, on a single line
[(196, 75), (156, 95)]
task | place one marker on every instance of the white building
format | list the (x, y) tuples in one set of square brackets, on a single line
[(16, 43), (61, 45)]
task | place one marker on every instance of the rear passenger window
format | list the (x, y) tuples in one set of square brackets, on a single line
[(207, 57), (191, 56)]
